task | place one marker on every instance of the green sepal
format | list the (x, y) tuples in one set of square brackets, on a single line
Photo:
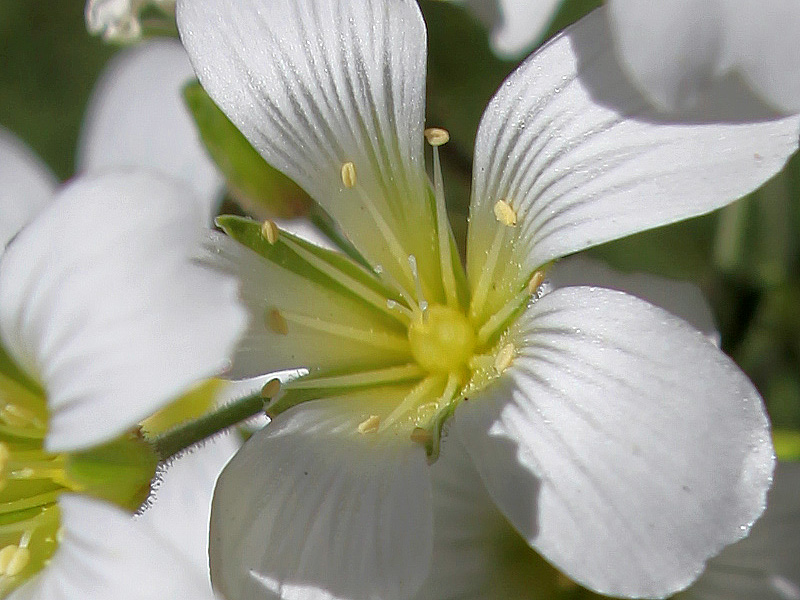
[(248, 233), (119, 471), (258, 187)]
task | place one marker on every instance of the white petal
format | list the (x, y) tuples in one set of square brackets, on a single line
[(672, 48), (318, 344), (477, 555), (621, 444), (679, 51), (317, 84), (766, 564), (309, 508), (137, 118), (582, 159), (102, 301), (763, 39), (180, 505), (516, 24), (26, 185), (105, 554), (682, 298)]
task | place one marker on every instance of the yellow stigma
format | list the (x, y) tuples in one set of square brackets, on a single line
[(442, 339), (349, 175), (437, 136), (504, 213)]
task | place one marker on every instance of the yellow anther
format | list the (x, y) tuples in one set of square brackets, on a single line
[(437, 136), (504, 213), (276, 322), (349, 175), (535, 282), (13, 560), (269, 231), (271, 388), (18, 416), (421, 436), (503, 359), (369, 425)]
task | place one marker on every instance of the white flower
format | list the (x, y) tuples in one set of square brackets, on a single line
[(105, 316), (119, 20), (682, 52), (137, 117), (479, 556), (515, 25), (616, 439)]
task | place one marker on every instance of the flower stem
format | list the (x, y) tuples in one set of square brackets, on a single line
[(185, 436)]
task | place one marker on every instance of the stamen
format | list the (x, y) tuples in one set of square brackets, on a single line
[(13, 560), (276, 323), (349, 175), (395, 247), (436, 136), (504, 213), (393, 283), (378, 339), (368, 295), (481, 290), (19, 416), (504, 357), (412, 263), (363, 379), (536, 280), (422, 390), (270, 232), (370, 425), (271, 388), (498, 319), (421, 436)]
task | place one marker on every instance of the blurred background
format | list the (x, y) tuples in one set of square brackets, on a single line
[(745, 258)]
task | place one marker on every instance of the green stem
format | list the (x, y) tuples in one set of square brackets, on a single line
[(185, 436)]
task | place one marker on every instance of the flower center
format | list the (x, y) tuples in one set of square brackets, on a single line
[(32, 479), (442, 339)]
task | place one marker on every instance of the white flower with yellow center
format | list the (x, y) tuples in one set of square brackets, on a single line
[(616, 439), (105, 316)]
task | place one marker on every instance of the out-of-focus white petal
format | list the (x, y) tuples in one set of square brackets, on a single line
[(26, 185), (137, 118), (180, 505), (104, 554), (516, 25), (766, 564), (582, 158), (621, 444), (310, 508), (103, 302), (315, 85), (678, 51), (682, 298)]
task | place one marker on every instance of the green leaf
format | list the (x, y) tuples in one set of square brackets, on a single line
[(259, 188), (787, 444)]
